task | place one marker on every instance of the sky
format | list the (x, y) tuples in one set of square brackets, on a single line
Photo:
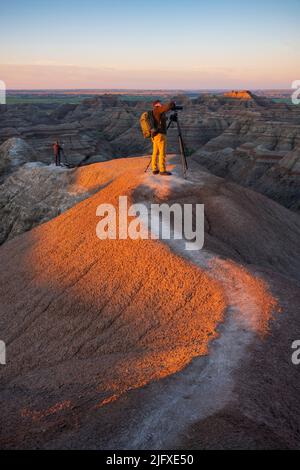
[(170, 44)]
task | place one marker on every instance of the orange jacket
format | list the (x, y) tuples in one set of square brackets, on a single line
[(56, 148), (160, 119)]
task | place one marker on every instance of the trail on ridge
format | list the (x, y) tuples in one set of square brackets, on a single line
[(106, 339)]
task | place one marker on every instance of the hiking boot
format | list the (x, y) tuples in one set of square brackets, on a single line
[(165, 173), (155, 172)]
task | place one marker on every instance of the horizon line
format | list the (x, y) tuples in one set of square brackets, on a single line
[(146, 89)]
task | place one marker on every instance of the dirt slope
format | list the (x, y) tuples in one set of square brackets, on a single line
[(99, 333)]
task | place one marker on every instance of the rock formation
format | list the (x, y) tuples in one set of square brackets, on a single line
[(111, 342), (36, 193), (281, 181), (240, 136), (14, 153), (239, 95)]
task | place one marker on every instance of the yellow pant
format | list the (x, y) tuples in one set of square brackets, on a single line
[(159, 147)]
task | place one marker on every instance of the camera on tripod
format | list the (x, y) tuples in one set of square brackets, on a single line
[(174, 117), (175, 109)]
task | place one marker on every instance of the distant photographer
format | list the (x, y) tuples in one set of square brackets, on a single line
[(57, 149), (159, 136)]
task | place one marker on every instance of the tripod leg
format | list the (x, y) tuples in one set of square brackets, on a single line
[(148, 165), (182, 150), (183, 157)]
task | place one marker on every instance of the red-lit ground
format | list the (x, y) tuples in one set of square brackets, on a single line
[(87, 322)]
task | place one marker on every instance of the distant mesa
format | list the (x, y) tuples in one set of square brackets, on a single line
[(239, 95)]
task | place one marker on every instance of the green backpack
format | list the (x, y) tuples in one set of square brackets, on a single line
[(147, 124)]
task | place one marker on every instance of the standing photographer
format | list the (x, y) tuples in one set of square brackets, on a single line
[(159, 136), (57, 149)]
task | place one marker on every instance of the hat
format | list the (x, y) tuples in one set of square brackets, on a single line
[(156, 103)]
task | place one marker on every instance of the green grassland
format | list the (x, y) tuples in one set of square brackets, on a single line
[(34, 98), (45, 99)]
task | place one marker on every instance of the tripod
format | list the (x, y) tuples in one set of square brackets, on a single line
[(174, 118)]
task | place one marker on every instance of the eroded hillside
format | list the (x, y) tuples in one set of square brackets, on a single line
[(111, 342), (248, 141)]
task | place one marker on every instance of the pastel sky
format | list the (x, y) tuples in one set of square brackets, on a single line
[(187, 44)]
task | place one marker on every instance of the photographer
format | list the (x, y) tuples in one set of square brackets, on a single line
[(57, 149), (159, 136)]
